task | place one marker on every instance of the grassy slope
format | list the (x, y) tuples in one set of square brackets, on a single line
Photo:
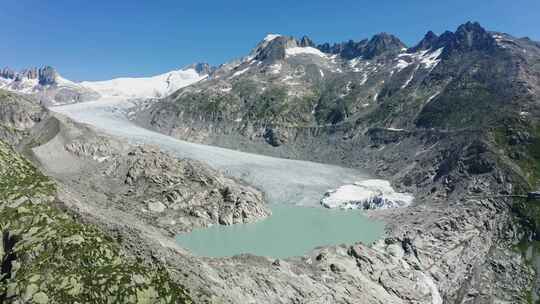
[(47, 257)]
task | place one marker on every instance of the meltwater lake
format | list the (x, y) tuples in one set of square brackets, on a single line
[(290, 231), (293, 189)]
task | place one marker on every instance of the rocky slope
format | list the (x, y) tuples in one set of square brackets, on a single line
[(52, 249), (48, 256), (453, 120), (17, 115), (174, 195)]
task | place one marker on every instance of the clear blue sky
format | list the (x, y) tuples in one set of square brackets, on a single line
[(98, 39)]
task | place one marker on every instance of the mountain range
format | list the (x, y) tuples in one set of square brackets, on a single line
[(50, 88), (468, 78), (453, 121)]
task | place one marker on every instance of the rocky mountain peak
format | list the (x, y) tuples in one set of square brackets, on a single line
[(379, 44), (382, 43), (306, 41), (202, 68), (429, 40), (470, 36), (473, 36), (45, 75), (7, 73), (273, 47), (348, 50)]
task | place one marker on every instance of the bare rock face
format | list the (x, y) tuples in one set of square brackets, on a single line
[(172, 194), (173, 187), (17, 115), (275, 136)]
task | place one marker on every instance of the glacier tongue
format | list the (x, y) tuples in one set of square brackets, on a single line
[(367, 194), (283, 180)]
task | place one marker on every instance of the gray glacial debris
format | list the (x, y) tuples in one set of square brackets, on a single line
[(174, 195)]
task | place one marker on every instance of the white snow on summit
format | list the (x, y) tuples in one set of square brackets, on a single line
[(303, 50), (145, 87), (271, 37)]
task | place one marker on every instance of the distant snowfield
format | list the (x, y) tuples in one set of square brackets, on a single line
[(126, 88), (283, 180), (145, 87)]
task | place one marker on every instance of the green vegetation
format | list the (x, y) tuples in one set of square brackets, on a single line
[(48, 257), (272, 105), (521, 143), (530, 251), (525, 154)]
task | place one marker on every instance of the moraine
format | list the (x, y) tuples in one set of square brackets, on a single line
[(290, 186)]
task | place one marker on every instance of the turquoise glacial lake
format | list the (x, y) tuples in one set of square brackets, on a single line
[(290, 231)]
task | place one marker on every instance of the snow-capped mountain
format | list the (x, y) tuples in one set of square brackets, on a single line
[(287, 84), (45, 85), (147, 87), (50, 88)]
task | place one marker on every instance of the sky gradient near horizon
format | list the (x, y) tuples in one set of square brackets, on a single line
[(98, 40)]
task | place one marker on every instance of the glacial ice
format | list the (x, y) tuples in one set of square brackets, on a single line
[(283, 180), (366, 194)]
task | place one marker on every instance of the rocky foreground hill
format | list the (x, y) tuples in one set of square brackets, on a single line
[(452, 120), (70, 236)]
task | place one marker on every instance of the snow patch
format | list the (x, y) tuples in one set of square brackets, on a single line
[(271, 37), (367, 194), (502, 41), (402, 64), (364, 79), (238, 73), (275, 68), (432, 97), (294, 51), (431, 59), (428, 58), (411, 77)]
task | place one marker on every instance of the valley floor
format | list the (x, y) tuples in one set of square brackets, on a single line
[(440, 249)]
